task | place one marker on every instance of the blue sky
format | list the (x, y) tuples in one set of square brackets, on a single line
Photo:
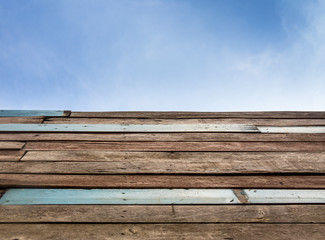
[(207, 55)]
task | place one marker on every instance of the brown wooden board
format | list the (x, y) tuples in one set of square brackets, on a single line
[(182, 146), (257, 122), (163, 213), (155, 181), (163, 137), (16, 120), (162, 231), (171, 162), (11, 145), (11, 155), (172, 115)]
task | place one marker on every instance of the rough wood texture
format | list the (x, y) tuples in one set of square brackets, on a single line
[(10, 155), (163, 213), (171, 162), (11, 145), (8, 120), (163, 137), (182, 146), (175, 115), (162, 231), (152, 181), (256, 122), (30, 113)]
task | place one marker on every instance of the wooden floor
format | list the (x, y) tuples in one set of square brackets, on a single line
[(162, 175)]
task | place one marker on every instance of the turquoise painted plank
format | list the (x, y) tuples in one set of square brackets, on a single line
[(128, 128), (118, 196), (31, 113), (309, 129), (285, 196)]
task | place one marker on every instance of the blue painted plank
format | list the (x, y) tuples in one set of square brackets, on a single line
[(31, 113), (285, 196), (128, 127), (118, 196), (308, 129)]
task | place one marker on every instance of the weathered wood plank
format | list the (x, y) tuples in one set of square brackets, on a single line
[(154, 181), (309, 129), (162, 213), (127, 128), (11, 145), (11, 155), (119, 196), (162, 231), (182, 146), (172, 115), (256, 122), (7, 120), (30, 113), (163, 137)]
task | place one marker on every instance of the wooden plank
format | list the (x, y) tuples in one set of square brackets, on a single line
[(256, 122), (11, 145), (186, 231), (118, 196), (309, 129), (30, 113), (127, 128), (11, 155), (7, 120), (154, 181), (162, 213), (284, 196), (163, 137), (182, 146), (172, 115), (172, 162)]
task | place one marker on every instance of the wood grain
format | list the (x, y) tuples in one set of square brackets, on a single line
[(128, 128), (11, 145), (163, 137), (11, 155), (173, 115), (154, 181), (107, 162), (162, 231), (163, 213), (256, 122), (11, 120), (182, 146)]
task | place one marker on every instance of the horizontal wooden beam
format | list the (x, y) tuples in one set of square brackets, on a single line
[(127, 128), (181, 146), (160, 196), (30, 113), (162, 231), (20, 120), (163, 137), (309, 129), (256, 122), (172, 115), (162, 213), (11, 155), (118, 196), (11, 145), (153, 181)]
